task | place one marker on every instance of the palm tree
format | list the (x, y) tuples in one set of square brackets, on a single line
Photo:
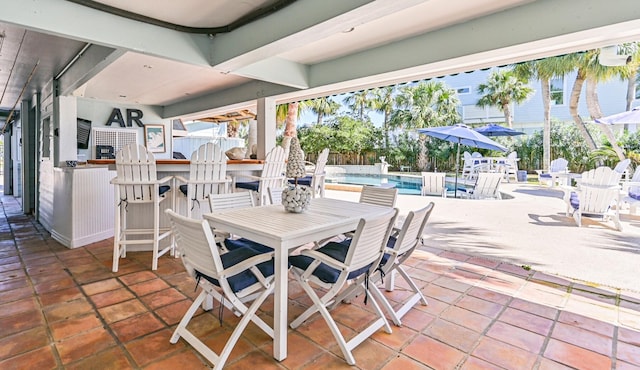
[(501, 89), (583, 61), (427, 104), (358, 102), (384, 102), (545, 70), (322, 107)]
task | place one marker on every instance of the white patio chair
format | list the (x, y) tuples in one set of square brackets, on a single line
[(272, 176), (136, 184), (241, 199), (597, 195), (233, 279), (623, 168), (467, 165), (487, 185), (207, 175), (315, 180), (631, 192), (556, 167), (334, 265), (433, 183), (399, 248), (512, 167)]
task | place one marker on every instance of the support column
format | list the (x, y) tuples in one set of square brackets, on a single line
[(266, 116)]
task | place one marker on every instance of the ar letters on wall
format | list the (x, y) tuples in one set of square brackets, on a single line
[(133, 115)]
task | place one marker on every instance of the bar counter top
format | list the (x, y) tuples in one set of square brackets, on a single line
[(178, 161)]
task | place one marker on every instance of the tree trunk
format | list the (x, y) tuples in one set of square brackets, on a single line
[(631, 90), (507, 114), (422, 155), (385, 129), (292, 118), (546, 129), (594, 111), (573, 109)]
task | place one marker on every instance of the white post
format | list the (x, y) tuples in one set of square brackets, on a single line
[(266, 126)]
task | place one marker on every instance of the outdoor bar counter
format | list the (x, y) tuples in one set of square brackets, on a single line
[(85, 203)]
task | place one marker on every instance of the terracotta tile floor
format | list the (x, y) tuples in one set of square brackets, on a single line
[(62, 308)]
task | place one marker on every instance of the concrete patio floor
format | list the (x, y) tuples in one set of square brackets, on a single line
[(531, 229), (65, 309)]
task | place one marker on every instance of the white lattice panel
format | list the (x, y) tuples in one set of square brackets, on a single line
[(117, 138)]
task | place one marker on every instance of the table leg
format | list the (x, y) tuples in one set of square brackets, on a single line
[(280, 324)]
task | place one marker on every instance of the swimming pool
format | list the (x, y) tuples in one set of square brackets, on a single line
[(406, 184)]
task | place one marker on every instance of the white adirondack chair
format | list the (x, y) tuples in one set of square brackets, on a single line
[(597, 195), (137, 184), (487, 186), (557, 166), (272, 176), (315, 180), (433, 184), (512, 167), (623, 168), (631, 192), (207, 175)]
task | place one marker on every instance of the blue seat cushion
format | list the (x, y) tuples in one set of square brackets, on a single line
[(325, 273), (233, 244), (163, 189), (634, 195), (574, 201), (245, 278), (252, 185), (302, 181), (545, 175), (183, 189)]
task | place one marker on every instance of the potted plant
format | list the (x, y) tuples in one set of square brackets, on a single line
[(296, 198)]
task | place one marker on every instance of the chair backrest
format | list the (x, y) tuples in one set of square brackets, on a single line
[(409, 236), (512, 161), (476, 155), (622, 168), (601, 176), (321, 162), (636, 175), (195, 241), (207, 172), (433, 183), (241, 199), (599, 188), (136, 166), (487, 185), (558, 165), (273, 173), (369, 241), (379, 195), (275, 195)]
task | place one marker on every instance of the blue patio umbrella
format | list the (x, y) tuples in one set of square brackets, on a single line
[(625, 118), (462, 134), (496, 130)]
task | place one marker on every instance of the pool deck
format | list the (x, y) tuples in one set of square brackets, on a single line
[(531, 229)]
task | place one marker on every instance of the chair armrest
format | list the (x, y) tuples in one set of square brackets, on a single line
[(250, 262), (165, 179), (323, 258), (180, 178)]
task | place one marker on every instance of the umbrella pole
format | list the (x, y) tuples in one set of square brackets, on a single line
[(455, 188)]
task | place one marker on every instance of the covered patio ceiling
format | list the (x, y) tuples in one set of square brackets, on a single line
[(200, 58)]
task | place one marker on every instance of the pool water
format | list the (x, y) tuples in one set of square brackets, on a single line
[(405, 184)]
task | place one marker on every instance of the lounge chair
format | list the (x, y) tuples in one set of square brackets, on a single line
[(557, 167), (433, 183), (597, 195), (487, 185)]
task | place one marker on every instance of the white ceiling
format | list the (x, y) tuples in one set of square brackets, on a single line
[(307, 48)]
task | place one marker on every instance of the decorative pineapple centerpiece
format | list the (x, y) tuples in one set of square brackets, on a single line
[(295, 198)]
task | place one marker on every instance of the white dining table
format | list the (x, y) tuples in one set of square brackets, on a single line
[(284, 231)]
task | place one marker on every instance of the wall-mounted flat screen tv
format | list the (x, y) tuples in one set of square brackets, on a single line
[(83, 133)]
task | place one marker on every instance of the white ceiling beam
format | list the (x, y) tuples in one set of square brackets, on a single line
[(279, 71), (92, 60), (70, 20), (298, 24)]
